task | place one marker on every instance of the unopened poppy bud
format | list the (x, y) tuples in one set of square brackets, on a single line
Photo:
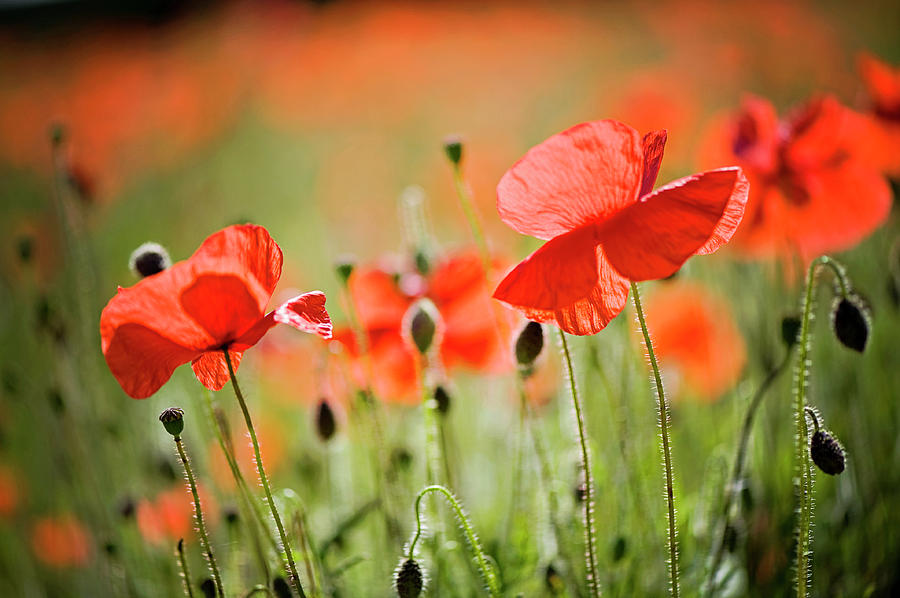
[(231, 516), (281, 588), (57, 133), (850, 324), (208, 587), (326, 425), (173, 420), (825, 450), (25, 248), (408, 579), (344, 267), (421, 324), (453, 148), (620, 547), (790, 330), (553, 579), (529, 344), (442, 399), (423, 265), (149, 259)]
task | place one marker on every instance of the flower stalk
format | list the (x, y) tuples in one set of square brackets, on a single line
[(664, 447)]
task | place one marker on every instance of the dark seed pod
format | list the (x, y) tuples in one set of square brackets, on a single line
[(790, 330), (173, 420), (529, 344), (620, 547), (408, 579), (326, 425), (826, 452), (850, 324), (553, 579), (281, 588), (208, 587), (442, 398), (149, 259)]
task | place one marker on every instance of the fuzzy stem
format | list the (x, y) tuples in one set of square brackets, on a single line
[(184, 569), (264, 479), (487, 571), (593, 581), (204, 538), (666, 450)]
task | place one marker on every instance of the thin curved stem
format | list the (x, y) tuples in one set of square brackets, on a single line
[(593, 581), (666, 450), (184, 569), (487, 571), (204, 537), (264, 479)]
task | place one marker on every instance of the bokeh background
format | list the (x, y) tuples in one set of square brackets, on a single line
[(312, 119)]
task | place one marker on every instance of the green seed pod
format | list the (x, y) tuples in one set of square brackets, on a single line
[(408, 579), (420, 324), (453, 148), (173, 420), (850, 324), (149, 259), (344, 267)]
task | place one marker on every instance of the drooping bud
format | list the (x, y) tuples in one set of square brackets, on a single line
[(281, 588), (231, 515), (422, 263), (408, 579), (825, 450), (442, 400), (25, 248), (850, 324), (149, 259), (529, 345), (344, 267), (208, 587), (326, 425), (453, 148), (420, 324), (553, 579), (173, 420), (620, 547), (790, 330)]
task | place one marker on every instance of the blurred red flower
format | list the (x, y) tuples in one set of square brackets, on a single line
[(588, 192), (811, 190), (170, 516), (698, 344), (882, 83), (10, 489), (471, 332), (215, 300), (61, 541), (273, 446)]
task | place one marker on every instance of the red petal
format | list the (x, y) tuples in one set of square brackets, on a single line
[(306, 313), (141, 359), (225, 305), (654, 143), (249, 245), (582, 175), (211, 369), (567, 282), (653, 238), (376, 298), (882, 83)]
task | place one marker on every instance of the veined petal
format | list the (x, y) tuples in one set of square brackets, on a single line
[(583, 175), (376, 298), (654, 237), (653, 143), (211, 369), (251, 246), (225, 305), (306, 313)]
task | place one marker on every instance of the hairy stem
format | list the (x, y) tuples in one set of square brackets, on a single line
[(666, 450), (184, 569)]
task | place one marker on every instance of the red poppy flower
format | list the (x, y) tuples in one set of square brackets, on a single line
[(470, 333), (882, 83), (695, 337), (812, 191), (588, 192), (215, 300), (170, 515), (61, 541)]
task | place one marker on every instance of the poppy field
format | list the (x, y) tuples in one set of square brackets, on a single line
[(345, 299)]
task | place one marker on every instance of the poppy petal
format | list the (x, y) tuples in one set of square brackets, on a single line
[(654, 143), (306, 313), (577, 177), (211, 369), (225, 305), (653, 238), (376, 298), (141, 359), (252, 247)]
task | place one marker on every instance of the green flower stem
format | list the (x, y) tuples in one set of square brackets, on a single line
[(666, 450), (804, 477), (593, 581), (468, 206), (198, 511), (264, 479), (185, 574), (487, 571), (738, 470)]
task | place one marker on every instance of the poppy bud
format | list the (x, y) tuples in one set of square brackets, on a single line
[(453, 149), (850, 324), (231, 516), (344, 268), (208, 587), (325, 422), (57, 133), (620, 547), (790, 330), (127, 508), (173, 420), (281, 588), (442, 398), (421, 324), (580, 492), (825, 450), (408, 579), (149, 259), (25, 248), (401, 458), (529, 344), (423, 266), (553, 580)]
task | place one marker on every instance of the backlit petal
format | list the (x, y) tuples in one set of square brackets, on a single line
[(376, 298), (653, 238), (251, 246), (584, 174), (653, 143), (306, 313), (211, 369), (223, 304)]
